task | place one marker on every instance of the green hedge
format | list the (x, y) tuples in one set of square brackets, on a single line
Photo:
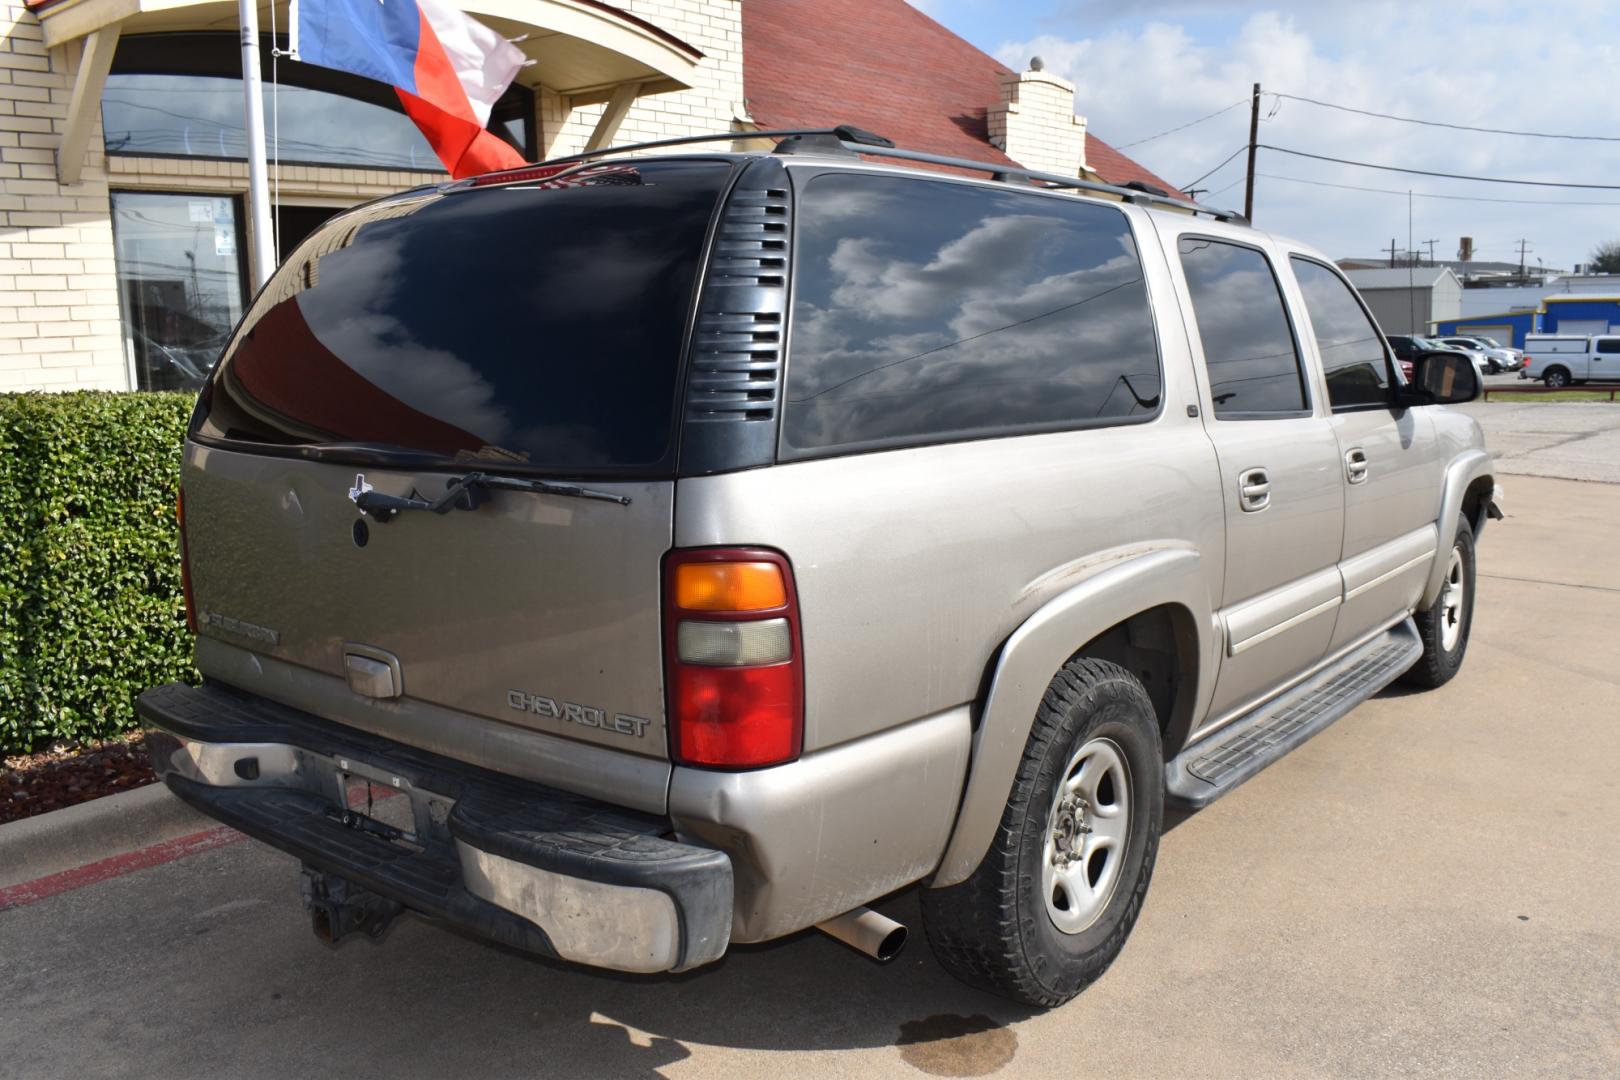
[(91, 611)]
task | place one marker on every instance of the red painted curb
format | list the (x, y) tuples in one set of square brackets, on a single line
[(31, 892)]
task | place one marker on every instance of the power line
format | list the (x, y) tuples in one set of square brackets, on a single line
[(1425, 172), (1443, 124), (1217, 168), (1184, 127), (1428, 195)]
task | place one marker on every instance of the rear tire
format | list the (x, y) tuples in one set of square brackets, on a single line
[(1556, 378), (1444, 624), (1050, 906)]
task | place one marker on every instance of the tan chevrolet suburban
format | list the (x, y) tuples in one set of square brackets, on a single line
[(700, 547)]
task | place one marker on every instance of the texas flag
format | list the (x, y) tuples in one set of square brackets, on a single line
[(446, 68)]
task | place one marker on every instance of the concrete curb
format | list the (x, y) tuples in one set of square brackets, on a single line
[(91, 831)]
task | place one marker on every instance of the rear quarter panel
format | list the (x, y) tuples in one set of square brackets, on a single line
[(914, 565)]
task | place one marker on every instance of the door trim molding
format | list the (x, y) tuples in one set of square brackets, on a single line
[(1269, 614), (1378, 564)]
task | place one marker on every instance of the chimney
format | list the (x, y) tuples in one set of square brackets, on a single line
[(1465, 249), (1034, 122)]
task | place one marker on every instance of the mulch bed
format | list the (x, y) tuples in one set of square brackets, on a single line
[(37, 783)]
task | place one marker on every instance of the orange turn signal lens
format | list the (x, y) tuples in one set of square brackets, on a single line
[(729, 586)]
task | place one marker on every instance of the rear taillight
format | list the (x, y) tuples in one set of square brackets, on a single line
[(733, 660), (185, 561)]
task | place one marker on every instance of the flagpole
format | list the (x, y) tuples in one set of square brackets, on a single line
[(264, 259)]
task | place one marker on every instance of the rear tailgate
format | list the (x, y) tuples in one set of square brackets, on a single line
[(532, 610), (523, 331)]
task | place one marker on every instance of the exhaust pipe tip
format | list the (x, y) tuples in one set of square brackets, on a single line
[(890, 946), (869, 932)]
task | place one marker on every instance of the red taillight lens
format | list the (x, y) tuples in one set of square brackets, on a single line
[(736, 717), (185, 561), (735, 672)]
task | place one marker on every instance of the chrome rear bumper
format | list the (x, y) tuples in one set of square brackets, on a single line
[(526, 865)]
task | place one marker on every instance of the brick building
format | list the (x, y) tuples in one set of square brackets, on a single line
[(123, 247)]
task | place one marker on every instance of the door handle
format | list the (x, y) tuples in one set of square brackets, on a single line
[(1355, 465), (1254, 490)]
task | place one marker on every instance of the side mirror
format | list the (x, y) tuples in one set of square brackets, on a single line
[(1443, 379)]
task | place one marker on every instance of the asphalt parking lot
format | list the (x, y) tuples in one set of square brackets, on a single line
[(1574, 440), (1430, 888)]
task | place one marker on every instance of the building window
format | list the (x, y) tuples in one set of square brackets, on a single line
[(180, 276), (181, 95)]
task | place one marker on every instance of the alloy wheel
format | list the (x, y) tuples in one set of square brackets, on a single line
[(1452, 599), (1087, 832)]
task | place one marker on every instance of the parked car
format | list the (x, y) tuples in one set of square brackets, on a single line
[(1497, 359), (1475, 356), (704, 547), (1512, 354), (1570, 359), (1409, 349)]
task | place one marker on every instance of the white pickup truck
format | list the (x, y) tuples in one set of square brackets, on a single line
[(1564, 359)]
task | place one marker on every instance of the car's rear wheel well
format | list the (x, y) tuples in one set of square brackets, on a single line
[(1160, 647)]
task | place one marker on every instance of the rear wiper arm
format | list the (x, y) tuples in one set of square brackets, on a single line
[(461, 493)]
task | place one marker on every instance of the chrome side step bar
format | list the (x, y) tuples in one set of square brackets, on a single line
[(1211, 767)]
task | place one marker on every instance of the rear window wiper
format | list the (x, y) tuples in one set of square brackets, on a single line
[(463, 493)]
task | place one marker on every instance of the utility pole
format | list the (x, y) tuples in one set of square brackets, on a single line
[(1254, 135), (1392, 253), (1430, 245), (1524, 245)]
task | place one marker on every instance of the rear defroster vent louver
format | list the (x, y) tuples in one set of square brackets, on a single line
[(734, 377), (736, 361)]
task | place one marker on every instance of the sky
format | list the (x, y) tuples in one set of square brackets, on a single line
[(1141, 69)]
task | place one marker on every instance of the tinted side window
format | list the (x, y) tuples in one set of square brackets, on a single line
[(1608, 345), (926, 311), (1352, 356), (1248, 344)]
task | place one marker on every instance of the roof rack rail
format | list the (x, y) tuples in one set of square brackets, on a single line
[(1134, 192), (843, 133), (854, 140)]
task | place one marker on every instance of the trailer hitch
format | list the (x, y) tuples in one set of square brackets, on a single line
[(338, 908)]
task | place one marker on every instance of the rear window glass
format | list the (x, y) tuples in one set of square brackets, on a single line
[(927, 311), (538, 326)]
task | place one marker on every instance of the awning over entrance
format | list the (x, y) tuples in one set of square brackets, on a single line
[(586, 50)]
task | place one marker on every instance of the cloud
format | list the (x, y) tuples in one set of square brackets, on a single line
[(1486, 64)]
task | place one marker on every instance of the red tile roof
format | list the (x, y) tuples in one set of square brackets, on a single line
[(1116, 168), (884, 66)]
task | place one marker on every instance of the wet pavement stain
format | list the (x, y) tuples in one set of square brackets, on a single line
[(947, 1045)]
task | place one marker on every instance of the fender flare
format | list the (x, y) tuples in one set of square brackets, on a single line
[(1035, 652), (1461, 474)]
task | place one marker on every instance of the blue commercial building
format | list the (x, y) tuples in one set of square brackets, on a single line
[(1507, 328), (1570, 313)]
